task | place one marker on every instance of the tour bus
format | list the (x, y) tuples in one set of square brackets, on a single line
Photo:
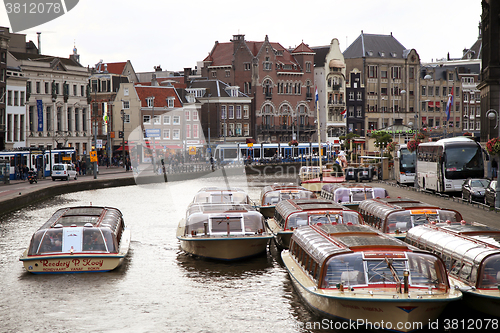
[(444, 165), (404, 165), (37, 159), (239, 152)]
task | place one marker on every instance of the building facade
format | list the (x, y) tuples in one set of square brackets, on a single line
[(15, 109), (355, 114), (4, 44), (330, 80), (281, 82)]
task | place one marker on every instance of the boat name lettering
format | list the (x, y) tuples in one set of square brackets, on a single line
[(367, 308), (88, 262), (350, 306), (59, 263)]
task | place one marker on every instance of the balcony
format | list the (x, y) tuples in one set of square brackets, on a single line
[(268, 95), (309, 96)]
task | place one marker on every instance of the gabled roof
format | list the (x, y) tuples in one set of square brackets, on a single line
[(375, 46), (116, 67), (475, 52), (44, 58), (161, 94), (320, 55), (302, 48), (217, 87)]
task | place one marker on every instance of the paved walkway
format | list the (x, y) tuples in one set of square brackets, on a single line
[(21, 187)]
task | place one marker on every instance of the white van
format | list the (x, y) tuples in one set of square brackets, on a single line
[(63, 171)]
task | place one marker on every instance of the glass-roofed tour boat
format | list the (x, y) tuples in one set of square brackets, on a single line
[(293, 213), (395, 216), (78, 239), (471, 253), (272, 194), (354, 272), (221, 195), (223, 231), (350, 195)]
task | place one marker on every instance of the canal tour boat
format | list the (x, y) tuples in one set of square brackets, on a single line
[(354, 272), (293, 213), (223, 231), (395, 216), (221, 195), (350, 195), (78, 239), (272, 194), (471, 253)]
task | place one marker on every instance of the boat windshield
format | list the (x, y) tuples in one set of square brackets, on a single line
[(74, 239), (305, 218), (352, 269), (490, 276), (216, 224), (402, 221)]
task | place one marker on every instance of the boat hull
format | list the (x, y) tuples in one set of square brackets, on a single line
[(224, 248), (77, 262), (378, 310), (267, 211), (481, 300), (282, 238), (316, 185)]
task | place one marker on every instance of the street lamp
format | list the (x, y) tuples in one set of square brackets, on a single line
[(492, 114), (123, 137)]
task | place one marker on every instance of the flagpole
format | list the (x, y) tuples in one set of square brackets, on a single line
[(320, 151)]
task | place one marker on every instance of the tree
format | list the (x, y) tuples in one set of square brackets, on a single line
[(381, 140)]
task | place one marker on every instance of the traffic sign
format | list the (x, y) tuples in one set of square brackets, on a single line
[(192, 150), (98, 144), (153, 133), (93, 156)]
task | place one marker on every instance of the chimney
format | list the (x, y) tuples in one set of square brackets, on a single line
[(154, 82), (187, 73), (39, 42), (158, 68)]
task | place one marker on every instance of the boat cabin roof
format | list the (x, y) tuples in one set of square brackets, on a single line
[(382, 207), (290, 206), (84, 216), (208, 208), (322, 241), (471, 243), (281, 187), (221, 195)]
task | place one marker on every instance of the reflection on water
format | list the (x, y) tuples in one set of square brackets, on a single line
[(158, 288)]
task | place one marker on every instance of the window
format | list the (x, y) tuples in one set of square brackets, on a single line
[(82, 90), (188, 131), (396, 72), (170, 102), (127, 118), (466, 97), (238, 129), (166, 120), (246, 129), (223, 112), (411, 74), (351, 111), (126, 105), (231, 129), (383, 91), (457, 91), (238, 111), (437, 92), (9, 97), (176, 120), (47, 90), (358, 112), (214, 74), (372, 71), (166, 134), (430, 91), (383, 74), (157, 120), (75, 90), (351, 95), (150, 102), (267, 65), (37, 85), (246, 112), (146, 119), (176, 134), (450, 76), (247, 66), (308, 67), (125, 92), (230, 109), (195, 115), (424, 88), (196, 133), (228, 73), (187, 115), (359, 96), (478, 125), (444, 91)]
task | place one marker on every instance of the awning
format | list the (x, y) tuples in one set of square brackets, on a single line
[(173, 147), (438, 104), (430, 104), (120, 148), (155, 147)]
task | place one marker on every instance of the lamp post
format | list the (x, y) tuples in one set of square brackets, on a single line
[(123, 137), (492, 114)]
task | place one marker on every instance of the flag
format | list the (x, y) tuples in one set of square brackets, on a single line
[(317, 97), (449, 105), (344, 113)]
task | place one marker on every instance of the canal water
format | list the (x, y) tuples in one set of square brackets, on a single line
[(159, 288)]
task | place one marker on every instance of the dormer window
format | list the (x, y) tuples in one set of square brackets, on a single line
[(233, 91), (150, 102), (170, 102)]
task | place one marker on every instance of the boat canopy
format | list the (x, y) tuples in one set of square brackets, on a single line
[(272, 194), (220, 195), (79, 229), (346, 193), (471, 253), (293, 213), (359, 255), (402, 214), (213, 219)]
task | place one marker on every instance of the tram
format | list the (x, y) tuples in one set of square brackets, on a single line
[(264, 152), (37, 159), (395, 216), (404, 165), (350, 272), (471, 253), (444, 165)]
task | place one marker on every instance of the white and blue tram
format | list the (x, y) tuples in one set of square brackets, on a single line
[(239, 152), (40, 160)]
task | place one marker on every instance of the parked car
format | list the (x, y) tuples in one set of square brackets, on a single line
[(491, 193), (473, 189), (63, 171)]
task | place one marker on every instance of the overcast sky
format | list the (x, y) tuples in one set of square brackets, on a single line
[(177, 34)]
